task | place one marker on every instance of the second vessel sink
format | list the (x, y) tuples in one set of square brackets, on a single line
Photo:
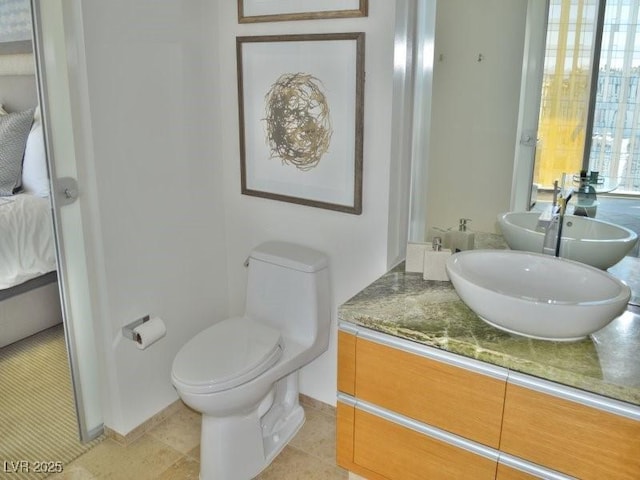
[(536, 295), (587, 240)]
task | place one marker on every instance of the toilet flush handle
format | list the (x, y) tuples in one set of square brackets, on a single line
[(246, 262)]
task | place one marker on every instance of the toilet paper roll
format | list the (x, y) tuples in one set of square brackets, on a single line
[(149, 332)]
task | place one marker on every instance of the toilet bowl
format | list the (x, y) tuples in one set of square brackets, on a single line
[(242, 373)]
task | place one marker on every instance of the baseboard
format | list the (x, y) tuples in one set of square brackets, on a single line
[(144, 427), (161, 416), (310, 402), (355, 476)]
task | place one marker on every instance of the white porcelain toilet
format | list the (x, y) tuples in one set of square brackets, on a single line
[(242, 373)]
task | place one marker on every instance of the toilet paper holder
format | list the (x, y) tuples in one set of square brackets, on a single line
[(127, 330)]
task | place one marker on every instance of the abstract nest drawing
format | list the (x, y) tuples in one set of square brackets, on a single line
[(300, 105), (298, 121)]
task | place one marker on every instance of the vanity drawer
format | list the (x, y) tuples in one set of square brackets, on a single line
[(453, 399), (344, 434), (569, 437), (399, 453), (346, 362), (508, 473), (345, 425)]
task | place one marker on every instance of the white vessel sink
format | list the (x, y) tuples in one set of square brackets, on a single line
[(587, 240), (536, 295)]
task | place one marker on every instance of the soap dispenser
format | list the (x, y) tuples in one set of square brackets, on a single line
[(435, 261), (462, 239)]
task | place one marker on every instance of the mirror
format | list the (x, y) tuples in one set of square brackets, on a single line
[(474, 114), (478, 143), (476, 71)]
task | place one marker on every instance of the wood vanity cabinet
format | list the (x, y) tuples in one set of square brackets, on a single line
[(379, 449), (419, 389), (346, 363), (447, 397), (505, 472), (566, 436), (403, 416)]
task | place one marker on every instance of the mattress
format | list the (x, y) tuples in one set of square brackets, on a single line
[(26, 239)]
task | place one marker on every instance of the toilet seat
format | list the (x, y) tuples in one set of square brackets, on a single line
[(225, 355)]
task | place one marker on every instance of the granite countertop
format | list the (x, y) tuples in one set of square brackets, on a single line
[(429, 312)]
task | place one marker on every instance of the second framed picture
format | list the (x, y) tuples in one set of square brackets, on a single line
[(252, 11), (301, 103)]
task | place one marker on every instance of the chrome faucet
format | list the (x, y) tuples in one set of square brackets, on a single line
[(553, 228)]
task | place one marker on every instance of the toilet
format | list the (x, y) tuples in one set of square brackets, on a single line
[(242, 373)]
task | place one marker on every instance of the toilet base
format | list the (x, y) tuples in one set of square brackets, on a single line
[(239, 447)]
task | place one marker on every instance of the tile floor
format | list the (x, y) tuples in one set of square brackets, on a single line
[(170, 451)]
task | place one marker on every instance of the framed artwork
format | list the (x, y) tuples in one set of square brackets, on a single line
[(301, 102), (15, 27), (252, 11)]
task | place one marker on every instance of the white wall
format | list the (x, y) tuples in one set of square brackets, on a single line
[(474, 111), (158, 188), (17, 92), (356, 245), (172, 229)]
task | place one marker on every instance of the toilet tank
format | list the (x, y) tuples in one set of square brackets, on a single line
[(288, 289)]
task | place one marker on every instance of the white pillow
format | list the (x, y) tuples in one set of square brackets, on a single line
[(35, 178)]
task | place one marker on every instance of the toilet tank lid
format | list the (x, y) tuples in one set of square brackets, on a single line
[(291, 255)]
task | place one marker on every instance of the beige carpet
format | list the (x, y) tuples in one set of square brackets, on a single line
[(37, 412)]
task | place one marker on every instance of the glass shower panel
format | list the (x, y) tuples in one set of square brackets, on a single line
[(52, 32)]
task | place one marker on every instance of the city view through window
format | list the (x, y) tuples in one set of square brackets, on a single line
[(568, 67)]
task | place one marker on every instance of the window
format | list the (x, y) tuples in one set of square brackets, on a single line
[(614, 134)]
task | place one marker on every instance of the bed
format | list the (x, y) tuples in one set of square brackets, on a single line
[(29, 297)]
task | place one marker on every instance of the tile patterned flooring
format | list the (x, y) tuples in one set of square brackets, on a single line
[(170, 451)]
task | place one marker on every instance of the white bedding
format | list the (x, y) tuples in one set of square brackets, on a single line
[(26, 239)]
